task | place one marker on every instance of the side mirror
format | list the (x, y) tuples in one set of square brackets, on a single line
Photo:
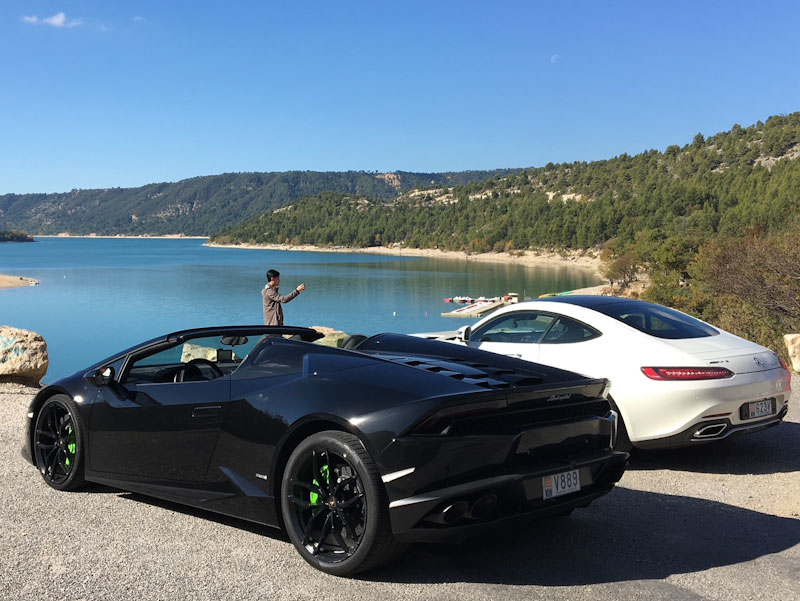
[(101, 377), (464, 332)]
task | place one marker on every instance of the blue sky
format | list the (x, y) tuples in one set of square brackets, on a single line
[(104, 94)]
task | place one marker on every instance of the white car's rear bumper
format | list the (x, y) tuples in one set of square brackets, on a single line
[(682, 413)]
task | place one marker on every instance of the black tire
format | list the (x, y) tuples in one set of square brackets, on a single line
[(58, 443), (334, 506), (622, 441)]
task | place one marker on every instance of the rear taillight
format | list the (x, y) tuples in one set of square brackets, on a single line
[(787, 377), (686, 373)]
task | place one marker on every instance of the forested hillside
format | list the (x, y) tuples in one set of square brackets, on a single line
[(201, 205), (721, 184), (714, 223)]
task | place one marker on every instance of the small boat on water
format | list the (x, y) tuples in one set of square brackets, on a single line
[(549, 294)]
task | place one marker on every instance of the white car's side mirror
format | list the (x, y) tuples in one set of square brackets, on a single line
[(463, 333)]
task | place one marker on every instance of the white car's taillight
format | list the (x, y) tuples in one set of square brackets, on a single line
[(686, 373), (787, 378)]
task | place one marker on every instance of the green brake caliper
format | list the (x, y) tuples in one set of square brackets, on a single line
[(70, 445), (314, 497)]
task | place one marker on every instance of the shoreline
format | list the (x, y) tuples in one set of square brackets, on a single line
[(529, 259), (526, 258), (16, 281)]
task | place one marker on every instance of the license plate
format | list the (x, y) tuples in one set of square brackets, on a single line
[(758, 409), (560, 484)]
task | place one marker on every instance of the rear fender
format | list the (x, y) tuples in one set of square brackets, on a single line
[(302, 429)]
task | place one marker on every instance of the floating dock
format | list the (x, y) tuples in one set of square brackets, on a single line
[(475, 309)]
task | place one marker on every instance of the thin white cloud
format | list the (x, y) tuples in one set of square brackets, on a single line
[(138, 18), (554, 59), (57, 20)]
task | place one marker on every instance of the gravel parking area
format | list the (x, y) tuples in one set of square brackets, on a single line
[(714, 522)]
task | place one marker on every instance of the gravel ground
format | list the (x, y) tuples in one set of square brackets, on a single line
[(714, 522)]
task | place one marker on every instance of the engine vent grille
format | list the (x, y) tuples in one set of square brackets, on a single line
[(519, 421), (479, 374)]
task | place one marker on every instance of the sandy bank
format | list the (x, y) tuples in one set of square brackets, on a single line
[(16, 281), (530, 258)]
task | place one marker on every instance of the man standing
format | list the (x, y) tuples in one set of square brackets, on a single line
[(273, 312)]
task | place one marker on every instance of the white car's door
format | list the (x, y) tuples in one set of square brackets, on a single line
[(515, 334)]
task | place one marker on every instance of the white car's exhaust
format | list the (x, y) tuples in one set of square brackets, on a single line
[(710, 431)]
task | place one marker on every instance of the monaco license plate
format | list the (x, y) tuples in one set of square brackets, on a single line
[(758, 409), (560, 484)]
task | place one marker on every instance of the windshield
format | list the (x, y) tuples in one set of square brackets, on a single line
[(658, 321)]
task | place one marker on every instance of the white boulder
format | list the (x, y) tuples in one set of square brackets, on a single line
[(23, 355), (332, 337), (793, 345)]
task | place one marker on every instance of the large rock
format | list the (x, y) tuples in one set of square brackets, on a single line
[(332, 337), (793, 345), (23, 355)]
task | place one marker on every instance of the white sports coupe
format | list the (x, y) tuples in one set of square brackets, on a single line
[(676, 381)]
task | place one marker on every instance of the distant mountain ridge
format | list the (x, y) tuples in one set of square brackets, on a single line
[(202, 205)]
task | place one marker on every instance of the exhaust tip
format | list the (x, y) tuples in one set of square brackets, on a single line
[(452, 513), (482, 507), (710, 431)]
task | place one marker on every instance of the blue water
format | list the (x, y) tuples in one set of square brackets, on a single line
[(98, 296)]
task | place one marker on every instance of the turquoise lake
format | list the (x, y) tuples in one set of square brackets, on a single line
[(98, 295)]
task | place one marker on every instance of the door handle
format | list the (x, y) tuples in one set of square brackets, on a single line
[(208, 411)]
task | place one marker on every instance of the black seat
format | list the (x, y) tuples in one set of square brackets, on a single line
[(635, 321)]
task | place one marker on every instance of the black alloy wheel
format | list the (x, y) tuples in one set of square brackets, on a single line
[(58, 443), (334, 507)]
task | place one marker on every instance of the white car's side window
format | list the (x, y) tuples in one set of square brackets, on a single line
[(525, 327), (568, 330)]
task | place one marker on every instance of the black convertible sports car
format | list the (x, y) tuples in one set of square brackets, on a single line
[(355, 452)]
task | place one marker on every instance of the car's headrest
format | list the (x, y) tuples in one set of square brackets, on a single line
[(352, 341)]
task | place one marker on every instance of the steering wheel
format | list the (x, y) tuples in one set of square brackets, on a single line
[(192, 370)]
